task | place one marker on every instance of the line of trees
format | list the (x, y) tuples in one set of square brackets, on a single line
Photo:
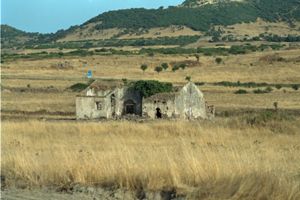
[(164, 67)]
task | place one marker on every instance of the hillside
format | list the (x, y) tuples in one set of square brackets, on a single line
[(200, 18), (11, 36), (191, 18)]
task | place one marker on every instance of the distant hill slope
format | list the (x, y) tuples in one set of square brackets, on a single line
[(11, 36), (195, 17), (11, 32), (192, 17), (203, 17)]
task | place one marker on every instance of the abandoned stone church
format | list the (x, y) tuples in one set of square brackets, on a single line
[(114, 100)]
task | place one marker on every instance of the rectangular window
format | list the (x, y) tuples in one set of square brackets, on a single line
[(99, 105)]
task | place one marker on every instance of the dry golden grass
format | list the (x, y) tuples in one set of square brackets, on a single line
[(52, 102), (89, 33), (172, 31), (255, 28), (224, 97), (222, 160), (23, 83), (240, 67)]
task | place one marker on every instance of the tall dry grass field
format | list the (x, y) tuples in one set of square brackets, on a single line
[(206, 160)]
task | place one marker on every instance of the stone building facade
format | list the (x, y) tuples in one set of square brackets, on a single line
[(114, 100), (104, 100), (187, 103)]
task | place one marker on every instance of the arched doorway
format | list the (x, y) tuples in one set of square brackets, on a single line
[(158, 114), (129, 107)]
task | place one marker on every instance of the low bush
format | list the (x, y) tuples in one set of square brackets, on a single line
[(182, 66), (239, 84), (199, 83), (241, 92), (278, 86), (218, 60), (78, 87), (295, 87), (260, 91), (175, 68)]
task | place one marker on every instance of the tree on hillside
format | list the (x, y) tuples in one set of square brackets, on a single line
[(144, 67), (158, 69), (165, 66), (188, 78)]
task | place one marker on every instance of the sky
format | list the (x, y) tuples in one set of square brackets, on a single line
[(46, 16)]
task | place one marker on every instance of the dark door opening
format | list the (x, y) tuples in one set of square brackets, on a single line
[(130, 107), (113, 104), (158, 113)]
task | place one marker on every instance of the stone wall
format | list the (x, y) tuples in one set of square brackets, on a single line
[(112, 103), (166, 107), (86, 108), (190, 103)]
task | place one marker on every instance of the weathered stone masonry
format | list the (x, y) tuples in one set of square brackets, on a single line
[(102, 100)]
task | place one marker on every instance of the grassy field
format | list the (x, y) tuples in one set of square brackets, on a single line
[(246, 152), (222, 160), (249, 67)]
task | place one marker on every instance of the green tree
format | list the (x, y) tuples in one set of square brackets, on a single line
[(151, 87), (218, 60), (182, 66), (165, 66), (278, 86), (175, 68), (158, 69), (144, 67), (188, 78), (295, 87)]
